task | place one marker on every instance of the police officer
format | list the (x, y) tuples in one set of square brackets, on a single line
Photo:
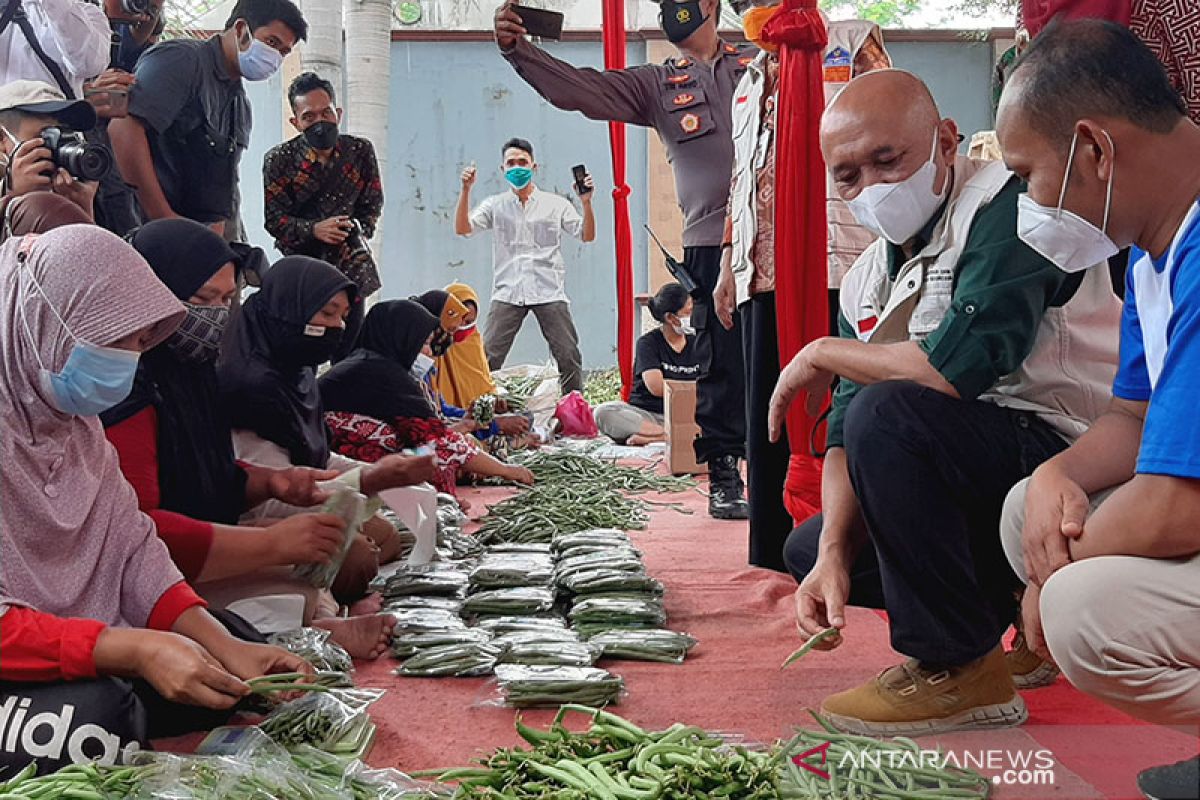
[(687, 100)]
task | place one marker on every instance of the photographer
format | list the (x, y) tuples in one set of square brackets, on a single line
[(59, 42), (323, 193), (42, 144)]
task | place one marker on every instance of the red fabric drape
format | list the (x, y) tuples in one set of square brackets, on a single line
[(614, 58), (801, 236)]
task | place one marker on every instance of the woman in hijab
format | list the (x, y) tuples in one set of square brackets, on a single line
[(453, 314), (268, 381), (377, 404), (88, 592), (462, 373), (449, 311), (175, 447)]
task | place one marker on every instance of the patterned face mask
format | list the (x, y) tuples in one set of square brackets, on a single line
[(198, 339)]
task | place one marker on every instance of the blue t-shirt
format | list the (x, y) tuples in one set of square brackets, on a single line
[(1160, 352)]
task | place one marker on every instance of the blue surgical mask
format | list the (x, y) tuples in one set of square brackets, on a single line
[(519, 177), (259, 62), (421, 366), (94, 379)]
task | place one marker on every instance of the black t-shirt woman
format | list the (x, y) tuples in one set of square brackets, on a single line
[(665, 354)]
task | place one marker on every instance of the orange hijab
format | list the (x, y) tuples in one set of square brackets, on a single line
[(463, 375)]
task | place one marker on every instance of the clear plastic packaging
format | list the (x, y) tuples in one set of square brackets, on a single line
[(351, 507), (616, 559), (657, 644), (319, 720), (607, 580), (499, 626), (465, 659), (601, 537), (407, 601), (516, 638), (438, 578), (516, 601), (514, 547), (553, 653), (315, 647), (523, 686), (423, 620), (594, 614), (507, 570), (410, 644)]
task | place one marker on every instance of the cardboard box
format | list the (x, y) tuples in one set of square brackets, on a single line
[(679, 405)]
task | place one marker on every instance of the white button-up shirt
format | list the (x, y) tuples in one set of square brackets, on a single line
[(527, 245), (75, 35)]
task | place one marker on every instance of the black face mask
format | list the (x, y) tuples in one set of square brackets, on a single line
[(322, 135), (680, 20), (302, 350)]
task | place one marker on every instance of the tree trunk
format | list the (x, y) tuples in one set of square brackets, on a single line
[(368, 80), (322, 53)]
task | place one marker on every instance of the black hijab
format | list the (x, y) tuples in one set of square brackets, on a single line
[(376, 380), (267, 369), (197, 473)]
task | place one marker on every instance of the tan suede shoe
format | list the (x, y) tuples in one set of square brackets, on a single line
[(1027, 668), (909, 699)]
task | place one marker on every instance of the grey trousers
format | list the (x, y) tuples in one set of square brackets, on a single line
[(1122, 628), (618, 420), (504, 323)]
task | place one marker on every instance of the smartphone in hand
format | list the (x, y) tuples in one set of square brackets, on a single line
[(540, 22), (580, 172)]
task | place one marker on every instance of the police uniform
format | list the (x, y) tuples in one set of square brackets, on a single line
[(689, 105)]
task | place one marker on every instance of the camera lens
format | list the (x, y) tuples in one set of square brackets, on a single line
[(87, 162)]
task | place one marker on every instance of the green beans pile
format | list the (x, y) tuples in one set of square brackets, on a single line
[(850, 762), (82, 781), (655, 644), (464, 659), (545, 511), (524, 686), (566, 467), (617, 760), (518, 389), (319, 720), (602, 386)]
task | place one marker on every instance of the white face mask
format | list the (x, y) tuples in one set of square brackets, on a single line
[(684, 328), (421, 366), (897, 211), (1064, 238), (259, 61)]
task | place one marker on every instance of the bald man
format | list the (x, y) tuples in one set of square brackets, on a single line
[(966, 359), (1105, 533)]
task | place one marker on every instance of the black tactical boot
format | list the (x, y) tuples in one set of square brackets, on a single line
[(727, 493), (1174, 782)]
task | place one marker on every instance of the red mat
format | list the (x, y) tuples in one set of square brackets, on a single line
[(743, 619)]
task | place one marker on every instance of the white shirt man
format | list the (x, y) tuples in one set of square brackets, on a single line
[(73, 34), (529, 270)]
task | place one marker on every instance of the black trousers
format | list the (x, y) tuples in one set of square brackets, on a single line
[(766, 463), (720, 391), (931, 474), (68, 722)]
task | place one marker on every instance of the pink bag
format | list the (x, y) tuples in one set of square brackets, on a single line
[(575, 415)]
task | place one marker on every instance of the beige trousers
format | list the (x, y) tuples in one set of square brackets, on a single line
[(1123, 629)]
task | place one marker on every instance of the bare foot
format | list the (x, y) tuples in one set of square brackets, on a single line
[(365, 637), (638, 440), (463, 504), (371, 604)]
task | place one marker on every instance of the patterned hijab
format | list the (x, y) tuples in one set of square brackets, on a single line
[(72, 541)]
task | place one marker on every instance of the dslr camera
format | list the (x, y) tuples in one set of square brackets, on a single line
[(69, 150)]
